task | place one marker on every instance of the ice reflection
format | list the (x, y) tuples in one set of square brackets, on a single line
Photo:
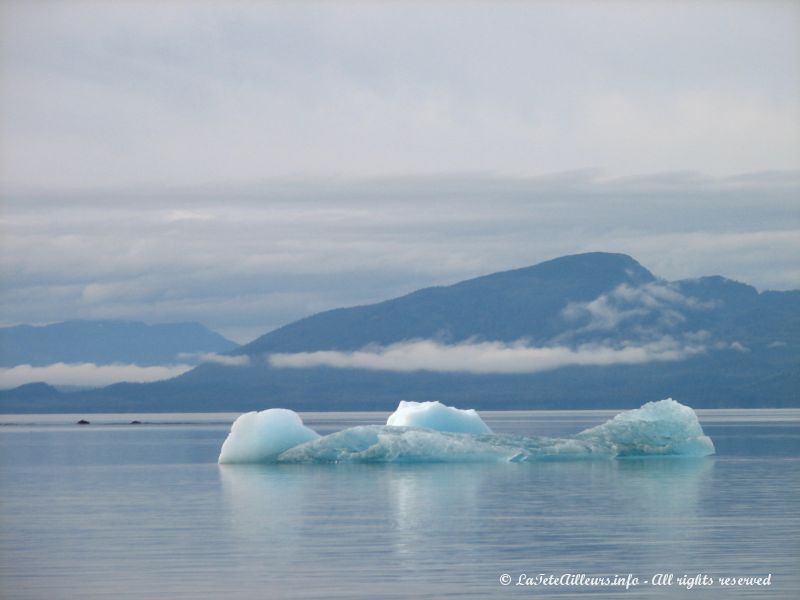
[(339, 516)]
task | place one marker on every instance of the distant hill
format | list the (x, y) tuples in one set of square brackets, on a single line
[(523, 303), (717, 343), (31, 392), (107, 342)]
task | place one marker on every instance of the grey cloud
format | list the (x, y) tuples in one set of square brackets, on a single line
[(96, 95), (246, 259), (246, 164)]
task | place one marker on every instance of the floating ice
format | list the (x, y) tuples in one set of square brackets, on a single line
[(389, 444), (657, 428), (664, 428), (437, 416), (258, 437)]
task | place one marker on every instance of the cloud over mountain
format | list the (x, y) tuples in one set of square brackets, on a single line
[(642, 311), (488, 357), (86, 374), (213, 357)]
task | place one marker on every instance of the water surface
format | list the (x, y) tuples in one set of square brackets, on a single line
[(143, 511)]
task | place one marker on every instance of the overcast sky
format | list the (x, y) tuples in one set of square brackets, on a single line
[(246, 164)]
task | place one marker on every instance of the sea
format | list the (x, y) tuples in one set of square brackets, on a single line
[(115, 510)]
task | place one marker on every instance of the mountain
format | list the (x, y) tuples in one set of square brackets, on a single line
[(107, 342), (506, 306), (600, 330), (31, 392)]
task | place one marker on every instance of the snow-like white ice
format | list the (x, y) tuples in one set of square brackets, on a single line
[(432, 432), (437, 416), (260, 437)]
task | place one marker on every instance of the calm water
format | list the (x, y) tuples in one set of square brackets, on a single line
[(112, 510)]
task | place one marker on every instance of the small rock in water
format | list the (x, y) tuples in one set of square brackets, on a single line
[(136, 422), (82, 422)]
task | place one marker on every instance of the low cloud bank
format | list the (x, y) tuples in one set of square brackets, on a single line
[(223, 359), (86, 374), (490, 357)]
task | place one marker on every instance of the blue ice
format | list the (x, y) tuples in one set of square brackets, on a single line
[(432, 432)]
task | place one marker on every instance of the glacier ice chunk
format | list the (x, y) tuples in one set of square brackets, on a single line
[(437, 416), (257, 437), (395, 444), (663, 428), (431, 432)]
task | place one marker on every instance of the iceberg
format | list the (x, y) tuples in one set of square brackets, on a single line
[(437, 416), (261, 437), (431, 432), (657, 428)]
